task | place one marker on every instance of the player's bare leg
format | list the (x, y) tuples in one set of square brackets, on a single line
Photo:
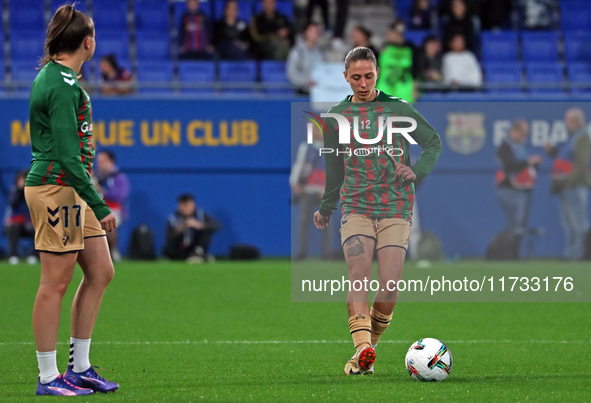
[(390, 266), (97, 266), (358, 252), (98, 270), (56, 275)]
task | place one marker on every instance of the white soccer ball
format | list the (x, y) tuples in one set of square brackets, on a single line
[(428, 360)]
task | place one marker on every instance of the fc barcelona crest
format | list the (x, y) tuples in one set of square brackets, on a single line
[(465, 132)]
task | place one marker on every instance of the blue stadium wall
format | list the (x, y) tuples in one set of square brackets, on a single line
[(235, 157)]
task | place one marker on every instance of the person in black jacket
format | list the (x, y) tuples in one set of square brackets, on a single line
[(189, 232), (516, 177), (231, 34), (17, 222), (271, 33)]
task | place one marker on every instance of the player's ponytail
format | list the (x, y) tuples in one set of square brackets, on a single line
[(66, 32)]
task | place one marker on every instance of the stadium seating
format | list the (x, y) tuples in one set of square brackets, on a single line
[(499, 46), (274, 72), (244, 10), (284, 7), (110, 41), (416, 37), (544, 73), (580, 73), (197, 72), (55, 4), (575, 15), (578, 48), (152, 16), (540, 46), (503, 73), (27, 15), (24, 73), (403, 8), (152, 46), (110, 15), (2, 74), (26, 45), (238, 72), (160, 72)]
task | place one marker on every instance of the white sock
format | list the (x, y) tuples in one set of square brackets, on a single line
[(47, 366), (79, 357)]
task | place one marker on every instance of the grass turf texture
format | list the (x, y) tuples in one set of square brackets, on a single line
[(174, 332)]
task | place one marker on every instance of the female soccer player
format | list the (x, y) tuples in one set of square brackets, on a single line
[(375, 182), (69, 216)]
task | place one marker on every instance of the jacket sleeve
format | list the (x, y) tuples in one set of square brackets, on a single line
[(63, 108), (335, 172), (581, 160), (508, 161)]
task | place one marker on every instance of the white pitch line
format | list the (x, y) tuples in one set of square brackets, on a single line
[(201, 342)]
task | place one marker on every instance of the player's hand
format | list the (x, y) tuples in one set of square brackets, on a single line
[(193, 223), (549, 148), (534, 160), (404, 172), (109, 223), (321, 221)]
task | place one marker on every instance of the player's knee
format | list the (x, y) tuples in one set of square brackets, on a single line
[(61, 287)]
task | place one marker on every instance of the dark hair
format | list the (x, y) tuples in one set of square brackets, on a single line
[(110, 155), (454, 35), (66, 32), (394, 26), (311, 24), (112, 60), (185, 197), (360, 53), (366, 32), (430, 38)]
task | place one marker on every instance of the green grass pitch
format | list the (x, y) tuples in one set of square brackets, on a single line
[(229, 331)]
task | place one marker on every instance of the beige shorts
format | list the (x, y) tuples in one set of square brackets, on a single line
[(385, 231), (61, 218)]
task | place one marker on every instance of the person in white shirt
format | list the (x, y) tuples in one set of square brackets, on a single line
[(460, 66), (303, 57)]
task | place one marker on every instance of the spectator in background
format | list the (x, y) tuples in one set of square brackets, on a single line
[(516, 178), (459, 21), (189, 232), (495, 14), (538, 14), (195, 34), (271, 33), (397, 65), (324, 6), (571, 180), (231, 34), (303, 57), (114, 187), (430, 61), (460, 66), (17, 222), (116, 80), (361, 37), (307, 182), (423, 15)]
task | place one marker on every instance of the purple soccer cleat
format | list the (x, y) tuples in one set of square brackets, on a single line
[(90, 379), (60, 387)]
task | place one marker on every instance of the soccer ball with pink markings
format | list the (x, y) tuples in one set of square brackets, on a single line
[(428, 360)]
